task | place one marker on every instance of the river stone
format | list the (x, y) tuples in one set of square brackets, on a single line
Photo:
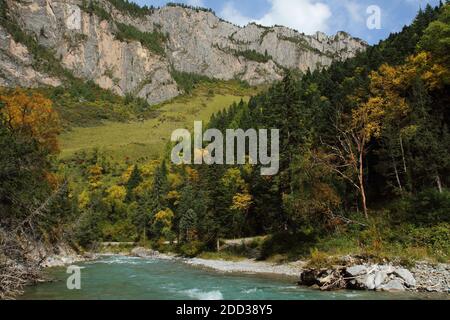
[(393, 286), (370, 282), (380, 277), (388, 269), (407, 276), (143, 252), (356, 271)]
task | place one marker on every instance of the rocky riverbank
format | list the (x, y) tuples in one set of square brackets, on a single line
[(149, 253), (64, 256), (424, 277), (249, 266), (243, 266), (25, 266), (352, 274)]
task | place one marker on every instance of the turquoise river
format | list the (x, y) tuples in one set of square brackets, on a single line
[(118, 278)]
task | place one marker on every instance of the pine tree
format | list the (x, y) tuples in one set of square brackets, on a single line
[(134, 181), (160, 188), (188, 225)]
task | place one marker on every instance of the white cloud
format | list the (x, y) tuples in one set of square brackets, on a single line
[(230, 13), (307, 16), (356, 11), (303, 15), (196, 3)]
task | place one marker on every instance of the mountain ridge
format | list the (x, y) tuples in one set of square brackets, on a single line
[(138, 54)]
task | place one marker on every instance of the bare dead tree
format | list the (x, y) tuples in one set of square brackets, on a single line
[(17, 240), (346, 157)]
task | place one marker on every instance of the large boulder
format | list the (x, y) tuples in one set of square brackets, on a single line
[(380, 278), (360, 278), (357, 271), (369, 282), (407, 277), (393, 286)]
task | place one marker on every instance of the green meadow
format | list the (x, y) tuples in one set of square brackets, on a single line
[(146, 140)]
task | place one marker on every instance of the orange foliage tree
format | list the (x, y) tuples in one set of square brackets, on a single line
[(31, 115)]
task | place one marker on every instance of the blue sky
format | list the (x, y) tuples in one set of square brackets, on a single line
[(308, 16)]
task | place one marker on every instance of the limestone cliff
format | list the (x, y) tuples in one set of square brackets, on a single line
[(115, 49)]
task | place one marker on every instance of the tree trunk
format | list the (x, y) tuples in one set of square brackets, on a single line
[(397, 175), (403, 155), (408, 180), (145, 236), (439, 183), (364, 199), (361, 181)]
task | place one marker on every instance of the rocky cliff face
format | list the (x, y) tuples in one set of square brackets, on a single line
[(16, 65), (88, 43)]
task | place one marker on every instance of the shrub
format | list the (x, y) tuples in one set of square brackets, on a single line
[(92, 7), (292, 244), (319, 260), (187, 81), (253, 56), (88, 231), (186, 6), (436, 237), (429, 207), (192, 249), (153, 41), (132, 8)]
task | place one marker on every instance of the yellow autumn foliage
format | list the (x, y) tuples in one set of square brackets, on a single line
[(83, 199), (116, 195), (242, 202), (32, 115)]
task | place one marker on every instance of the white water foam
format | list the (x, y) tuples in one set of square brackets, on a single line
[(248, 291), (122, 260), (202, 295)]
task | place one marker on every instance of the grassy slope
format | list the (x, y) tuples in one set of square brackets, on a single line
[(147, 140)]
